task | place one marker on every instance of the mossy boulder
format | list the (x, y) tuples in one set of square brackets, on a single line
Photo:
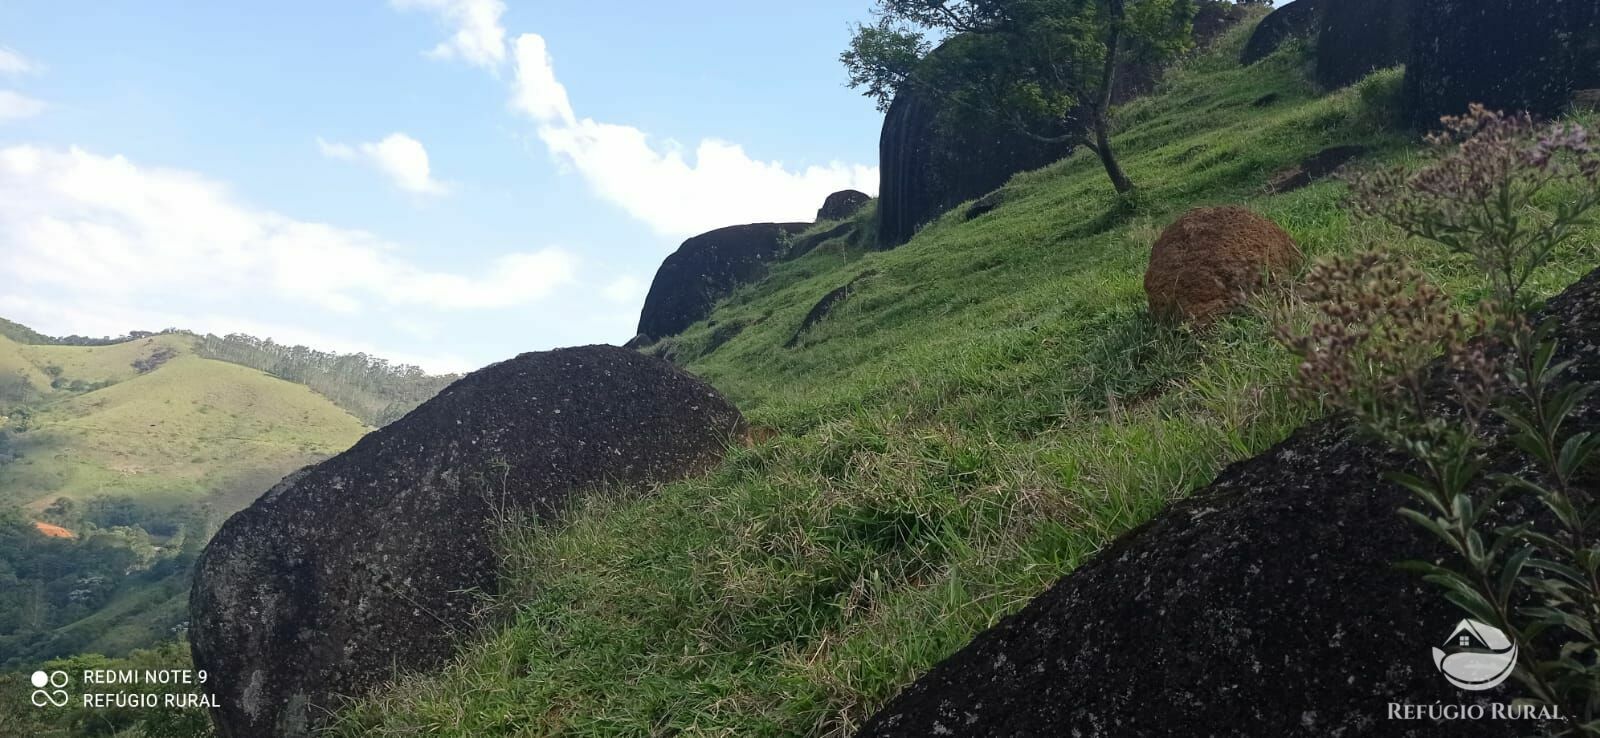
[(842, 204), (707, 268), (378, 559)]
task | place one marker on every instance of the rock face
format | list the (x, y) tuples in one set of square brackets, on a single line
[(842, 204), (1507, 54), (1266, 604), (1298, 19), (369, 561), (1204, 262), (924, 171), (921, 176), (1358, 37), (707, 268)]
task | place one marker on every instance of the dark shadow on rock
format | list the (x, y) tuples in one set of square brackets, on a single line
[(1266, 604), (1506, 54), (1320, 165), (707, 268), (842, 204), (825, 306), (1359, 37), (377, 559)]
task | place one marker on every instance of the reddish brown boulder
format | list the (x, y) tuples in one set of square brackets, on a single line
[(1206, 261)]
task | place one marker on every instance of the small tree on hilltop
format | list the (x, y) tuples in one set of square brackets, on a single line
[(1047, 68)]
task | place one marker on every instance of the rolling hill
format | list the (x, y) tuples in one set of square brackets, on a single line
[(183, 429), (152, 440)]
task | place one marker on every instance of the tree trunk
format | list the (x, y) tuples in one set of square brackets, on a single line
[(1108, 158), (1102, 107)]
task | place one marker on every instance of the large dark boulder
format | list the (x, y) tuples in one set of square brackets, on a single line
[(1266, 604), (1298, 19), (1507, 54), (842, 204), (707, 268), (1358, 37), (925, 169), (375, 560)]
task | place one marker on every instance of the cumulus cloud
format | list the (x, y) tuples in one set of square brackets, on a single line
[(400, 157), (109, 230), (16, 106), (677, 193), (477, 36), (625, 289)]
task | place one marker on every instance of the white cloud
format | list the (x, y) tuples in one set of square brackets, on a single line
[(109, 230), (677, 194), (477, 38), (402, 158), (13, 63), (625, 289), (15, 106)]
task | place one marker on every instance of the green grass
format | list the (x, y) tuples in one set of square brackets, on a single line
[(192, 429), (985, 412)]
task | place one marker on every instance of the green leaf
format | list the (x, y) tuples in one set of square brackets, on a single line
[(1559, 569), (1511, 570), (1473, 603)]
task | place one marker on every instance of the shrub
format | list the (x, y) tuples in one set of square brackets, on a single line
[(1508, 196)]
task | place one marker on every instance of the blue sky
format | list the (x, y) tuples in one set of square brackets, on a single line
[(443, 182)]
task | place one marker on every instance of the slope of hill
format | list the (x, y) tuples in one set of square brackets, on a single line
[(988, 406), (185, 429), (150, 445)]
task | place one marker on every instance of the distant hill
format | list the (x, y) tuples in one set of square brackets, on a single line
[(150, 418), (152, 439), (368, 387)]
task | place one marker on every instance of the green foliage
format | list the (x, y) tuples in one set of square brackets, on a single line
[(881, 58), (116, 584), (1046, 68), (1510, 197)]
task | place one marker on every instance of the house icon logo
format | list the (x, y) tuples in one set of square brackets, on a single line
[(1476, 656)]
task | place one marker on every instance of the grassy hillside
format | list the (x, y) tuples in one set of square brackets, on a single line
[(988, 408), (187, 429), (144, 436)]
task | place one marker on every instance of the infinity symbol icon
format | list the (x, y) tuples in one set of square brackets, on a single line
[(57, 698)]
